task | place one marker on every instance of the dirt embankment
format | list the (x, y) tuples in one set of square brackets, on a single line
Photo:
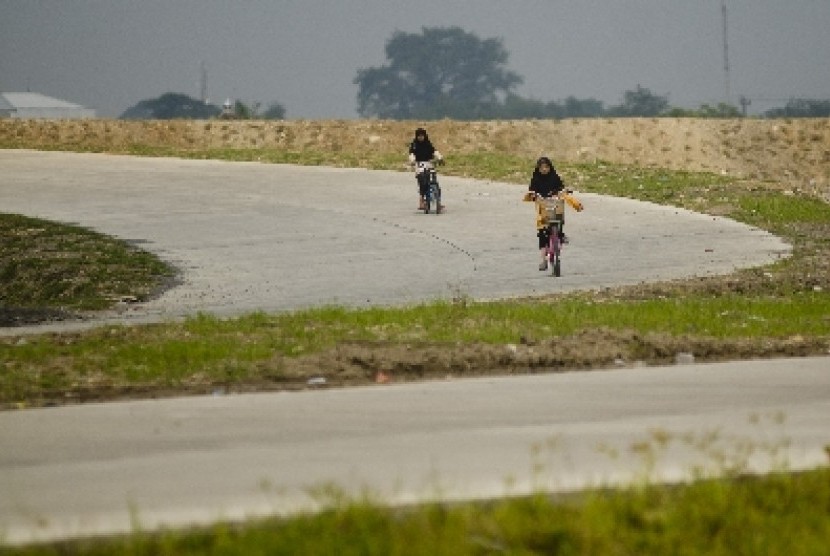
[(795, 153)]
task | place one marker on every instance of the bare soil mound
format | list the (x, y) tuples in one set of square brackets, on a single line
[(794, 153)]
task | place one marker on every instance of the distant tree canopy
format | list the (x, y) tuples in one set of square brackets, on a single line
[(447, 72), (801, 108), (517, 107), (441, 72), (275, 111), (722, 110), (242, 111), (640, 103), (450, 73), (169, 106), (176, 105)]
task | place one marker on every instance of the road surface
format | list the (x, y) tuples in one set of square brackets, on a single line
[(102, 468)]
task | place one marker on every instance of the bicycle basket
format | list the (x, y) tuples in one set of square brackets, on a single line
[(554, 209)]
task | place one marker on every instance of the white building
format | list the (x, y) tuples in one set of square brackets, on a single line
[(36, 105), (6, 109)]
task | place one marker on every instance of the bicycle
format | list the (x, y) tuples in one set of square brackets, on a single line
[(551, 212), (550, 216), (426, 171)]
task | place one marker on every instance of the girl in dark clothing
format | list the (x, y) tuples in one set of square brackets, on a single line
[(421, 150), (545, 182)]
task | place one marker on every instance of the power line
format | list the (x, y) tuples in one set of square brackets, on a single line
[(727, 92)]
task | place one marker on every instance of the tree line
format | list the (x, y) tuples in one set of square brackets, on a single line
[(446, 72)]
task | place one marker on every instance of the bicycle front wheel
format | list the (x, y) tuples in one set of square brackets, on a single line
[(555, 251)]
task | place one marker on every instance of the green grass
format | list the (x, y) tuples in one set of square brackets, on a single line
[(779, 513), (46, 264), (253, 350)]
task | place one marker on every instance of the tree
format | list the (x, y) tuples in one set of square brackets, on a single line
[(244, 111), (442, 72), (801, 108), (722, 110), (640, 102), (275, 111), (169, 106), (516, 107), (582, 108)]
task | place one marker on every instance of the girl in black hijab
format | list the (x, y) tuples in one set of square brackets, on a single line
[(421, 150), (545, 182)]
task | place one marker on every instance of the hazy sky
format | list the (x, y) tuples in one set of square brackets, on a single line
[(110, 54)]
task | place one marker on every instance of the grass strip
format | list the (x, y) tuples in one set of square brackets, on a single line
[(44, 263), (260, 351), (779, 513)]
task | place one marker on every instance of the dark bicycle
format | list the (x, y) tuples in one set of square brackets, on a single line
[(426, 171)]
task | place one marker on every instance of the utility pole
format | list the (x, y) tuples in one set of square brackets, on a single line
[(727, 92), (203, 84), (744, 103)]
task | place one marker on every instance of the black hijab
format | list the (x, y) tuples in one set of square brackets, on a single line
[(545, 184), (423, 150)]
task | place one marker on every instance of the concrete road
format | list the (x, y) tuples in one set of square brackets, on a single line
[(264, 237), (250, 236), (101, 468)]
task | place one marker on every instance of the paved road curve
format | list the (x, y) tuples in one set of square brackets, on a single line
[(251, 236)]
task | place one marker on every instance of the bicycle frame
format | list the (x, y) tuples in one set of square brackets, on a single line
[(552, 212)]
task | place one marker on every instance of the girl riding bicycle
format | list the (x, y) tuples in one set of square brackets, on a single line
[(545, 182), (421, 150)]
